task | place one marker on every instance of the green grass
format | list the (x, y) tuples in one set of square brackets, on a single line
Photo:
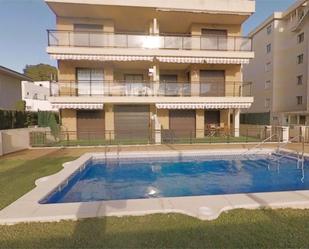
[(17, 177), (236, 229)]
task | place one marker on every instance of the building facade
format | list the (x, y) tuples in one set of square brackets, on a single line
[(10, 88), (131, 68), (36, 95), (279, 71)]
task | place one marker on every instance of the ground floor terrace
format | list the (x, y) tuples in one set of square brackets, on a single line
[(153, 124), (235, 229)]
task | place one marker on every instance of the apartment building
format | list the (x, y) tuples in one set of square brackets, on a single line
[(279, 71), (36, 94), (10, 88), (128, 69)]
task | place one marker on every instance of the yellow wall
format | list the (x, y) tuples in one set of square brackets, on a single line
[(200, 123), (69, 122), (163, 116), (109, 121), (64, 23), (225, 118)]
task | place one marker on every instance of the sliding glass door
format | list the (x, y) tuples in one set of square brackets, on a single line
[(90, 81)]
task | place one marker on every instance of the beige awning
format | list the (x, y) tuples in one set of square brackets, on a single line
[(85, 106), (201, 60), (203, 105), (101, 57)]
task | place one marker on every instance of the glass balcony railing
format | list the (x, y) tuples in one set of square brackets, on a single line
[(154, 89), (116, 40)]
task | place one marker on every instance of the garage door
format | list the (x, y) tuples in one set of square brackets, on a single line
[(90, 124), (132, 122), (182, 123)]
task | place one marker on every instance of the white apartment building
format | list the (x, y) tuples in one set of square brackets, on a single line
[(36, 94), (279, 71)]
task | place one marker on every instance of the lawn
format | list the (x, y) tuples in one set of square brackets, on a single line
[(236, 229)]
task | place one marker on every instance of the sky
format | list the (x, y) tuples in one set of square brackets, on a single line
[(23, 25)]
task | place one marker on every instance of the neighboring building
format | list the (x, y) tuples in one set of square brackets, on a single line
[(279, 72), (127, 68), (10, 88), (36, 95)]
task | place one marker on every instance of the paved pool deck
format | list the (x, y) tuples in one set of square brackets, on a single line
[(28, 209)]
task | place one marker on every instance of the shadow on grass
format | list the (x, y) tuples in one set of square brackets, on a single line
[(238, 229)]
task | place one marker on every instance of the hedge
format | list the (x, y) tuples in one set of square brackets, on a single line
[(255, 118), (23, 119)]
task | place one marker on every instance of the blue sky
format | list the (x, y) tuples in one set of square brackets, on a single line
[(23, 25)]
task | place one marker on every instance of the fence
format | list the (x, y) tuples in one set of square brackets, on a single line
[(208, 136)]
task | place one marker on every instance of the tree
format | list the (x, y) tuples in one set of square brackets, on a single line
[(20, 105), (41, 72)]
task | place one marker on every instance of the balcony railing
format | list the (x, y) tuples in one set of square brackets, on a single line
[(144, 89), (121, 40)]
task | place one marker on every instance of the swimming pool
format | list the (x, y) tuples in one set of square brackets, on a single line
[(144, 178)]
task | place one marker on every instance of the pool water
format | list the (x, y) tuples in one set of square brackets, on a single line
[(170, 177)]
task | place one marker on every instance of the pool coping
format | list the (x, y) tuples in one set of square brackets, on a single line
[(28, 209)]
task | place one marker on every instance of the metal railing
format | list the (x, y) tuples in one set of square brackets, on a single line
[(69, 38), (168, 136), (169, 89)]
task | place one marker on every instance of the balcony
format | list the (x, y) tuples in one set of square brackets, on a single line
[(150, 89), (57, 38)]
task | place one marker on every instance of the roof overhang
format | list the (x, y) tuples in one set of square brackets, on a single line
[(239, 7), (227, 105), (163, 59), (14, 74), (79, 106)]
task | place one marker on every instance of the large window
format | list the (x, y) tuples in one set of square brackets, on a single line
[(90, 81)]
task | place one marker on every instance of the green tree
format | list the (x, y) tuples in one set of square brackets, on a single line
[(41, 72), (20, 105)]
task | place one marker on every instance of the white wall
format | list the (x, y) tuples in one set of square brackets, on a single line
[(16, 139), (36, 95)]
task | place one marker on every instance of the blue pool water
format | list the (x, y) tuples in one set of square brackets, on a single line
[(151, 178)]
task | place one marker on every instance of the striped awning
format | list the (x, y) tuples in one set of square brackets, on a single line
[(101, 57), (203, 105), (201, 60), (85, 106)]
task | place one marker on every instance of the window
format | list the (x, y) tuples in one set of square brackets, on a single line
[(299, 80), (301, 37), (267, 84), (267, 66), (267, 102), (88, 27), (90, 81), (268, 48), (302, 120), (45, 98), (299, 100), (300, 59), (268, 30)]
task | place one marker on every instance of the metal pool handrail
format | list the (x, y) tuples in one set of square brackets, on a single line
[(260, 144)]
